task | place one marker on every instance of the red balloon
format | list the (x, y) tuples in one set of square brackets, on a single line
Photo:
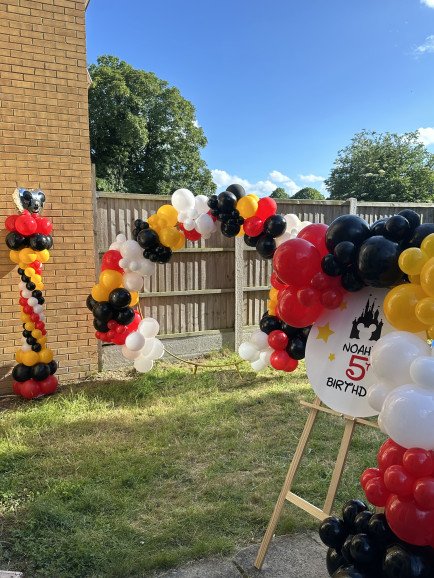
[(27, 309), (10, 222), (424, 493), (40, 325), (315, 234), (323, 282), (22, 301), (410, 523), (111, 334), (49, 385), (111, 260), (26, 225), (291, 365), (266, 208), (34, 317), (112, 324), (332, 298), (278, 340), (376, 492), (293, 312), (191, 235), (253, 226), (44, 226), (30, 389), (16, 387), (398, 481), (389, 454), (276, 282), (308, 296), (368, 474), (296, 261), (418, 462), (279, 360)]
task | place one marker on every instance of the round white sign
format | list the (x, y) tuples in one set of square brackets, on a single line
[(338, 351)]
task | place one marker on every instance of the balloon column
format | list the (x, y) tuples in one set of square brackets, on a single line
[(29, 241)]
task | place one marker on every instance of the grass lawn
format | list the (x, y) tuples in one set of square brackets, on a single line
[(117, 477)]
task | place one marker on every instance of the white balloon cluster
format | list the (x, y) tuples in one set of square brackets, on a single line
[(142, 346), (256, 350), (193, 212), (135, 266), (293, 227), (404, 392)]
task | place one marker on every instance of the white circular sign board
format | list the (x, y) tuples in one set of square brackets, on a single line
[(338, 351)]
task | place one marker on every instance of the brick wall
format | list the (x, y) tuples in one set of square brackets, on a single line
[(44, 142)]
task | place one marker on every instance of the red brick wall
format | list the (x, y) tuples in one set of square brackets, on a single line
[(44, 141)]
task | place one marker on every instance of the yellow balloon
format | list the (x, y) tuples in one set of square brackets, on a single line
[(427, 277), (425, 311), (29, 271), (399, 307), (18, 356), (40, 286), (37, 333), (111, 279), (414, 279), (14, 256), (427, 245), (273, 293), (157, 222), (25, 317), (46, 356), (28, 255), (411, 261), (100, 293), (43, 340), (247, 206), (134, 298), (180, 243), (30, 358), (430, 332), (254, 196), (169, 214), (241, 233), (272, 310), (43, 256), (29, 326), (169, 236)]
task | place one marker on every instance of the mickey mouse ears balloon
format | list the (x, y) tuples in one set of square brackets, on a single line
[(31, 200)]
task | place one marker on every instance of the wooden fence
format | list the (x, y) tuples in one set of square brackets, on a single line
[(218, 285)]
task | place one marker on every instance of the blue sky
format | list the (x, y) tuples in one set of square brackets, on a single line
[(281, 85)]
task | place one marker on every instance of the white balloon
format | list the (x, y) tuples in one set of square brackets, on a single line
[(132, 281), (259, 340), (114, 247), (377, 393), (304, 224), (157, 350), (182, 215), (147, 268), (21, 286), (149, 327), (189, 224), (131, 249), (258, 365), (121, 238), (283, 238), (292, 221), (201, 204), (124, 263), (26, 293), (143, 364), (393, 355), (205, 224), (38, 309), (266, 355), (134, 341), (183, 199), (147, 348), (422, 372), (192, 214), (128, 354), (134, 266), (408, 417), (26, 347), (32, 301), (248, 351)]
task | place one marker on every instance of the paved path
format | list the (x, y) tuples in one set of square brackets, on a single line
[(295, 556)]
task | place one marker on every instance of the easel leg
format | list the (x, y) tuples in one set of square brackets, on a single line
[(265, 544)]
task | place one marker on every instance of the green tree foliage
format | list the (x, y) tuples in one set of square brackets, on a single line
[(383, 167), (309, 193), (143, 133), (279, 193)]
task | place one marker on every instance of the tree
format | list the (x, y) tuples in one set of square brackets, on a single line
[(309, 193), (383, 167), (144, 135), (279, 193)]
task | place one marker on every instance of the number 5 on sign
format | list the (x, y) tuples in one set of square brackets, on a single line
[(358, 367)]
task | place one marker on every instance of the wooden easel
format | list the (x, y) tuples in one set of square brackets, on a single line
[(287, 495)]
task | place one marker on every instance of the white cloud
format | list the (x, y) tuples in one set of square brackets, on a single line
[(429, 3), (426, 134), (262, 188), (311, 178), (427, 47)]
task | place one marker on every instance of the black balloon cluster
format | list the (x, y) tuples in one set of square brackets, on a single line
[(364, 255), (265, 243), (148, 239), (297, 336), (116, 309), (223, 208), (362, 545), (38, 242)]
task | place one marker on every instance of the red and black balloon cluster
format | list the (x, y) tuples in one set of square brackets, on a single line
[(362, 545), (289, 343)]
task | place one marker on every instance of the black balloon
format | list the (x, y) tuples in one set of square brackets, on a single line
[(147, 238), (351, 281), (304, 332), (379, 529), (420, 233), (345, 253), (37, 347), (363, 550), (397, 228), (30, 286), (40, 371), (350, 511), (346, 549), (213, 202), (230, 228), (90, 302), (21, 372), (124, 316), (297, 348), (16, 241), (119, 298), (291, 331), (353, 572), (38, 294), (378, 262), (401, 562), (270, 323), (163, 254), (331, 266), (333, 532), (412, 217), (40, 242), (53, 367), (100, 326), (275, 225), (346, 228), (251, 241), (334, 560), (266, 246), (103, 311), (237, 190), (226, 202), (140, 225), (379, 227), (361, 522)]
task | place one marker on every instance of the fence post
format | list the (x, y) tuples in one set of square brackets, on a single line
[(96, 247), (352, 206), (239, 291)]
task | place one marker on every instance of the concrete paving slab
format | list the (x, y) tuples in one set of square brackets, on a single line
[(7, 574), (211, 568)]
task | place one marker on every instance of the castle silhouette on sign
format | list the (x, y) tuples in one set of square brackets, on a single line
[(368, 321)]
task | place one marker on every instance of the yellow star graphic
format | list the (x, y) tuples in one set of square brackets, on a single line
[(324, 332), (343, 306), (332, 357)]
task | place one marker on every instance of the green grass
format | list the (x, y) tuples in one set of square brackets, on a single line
[(117, 478)]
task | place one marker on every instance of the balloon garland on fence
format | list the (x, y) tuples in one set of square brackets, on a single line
[(29, 241)]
